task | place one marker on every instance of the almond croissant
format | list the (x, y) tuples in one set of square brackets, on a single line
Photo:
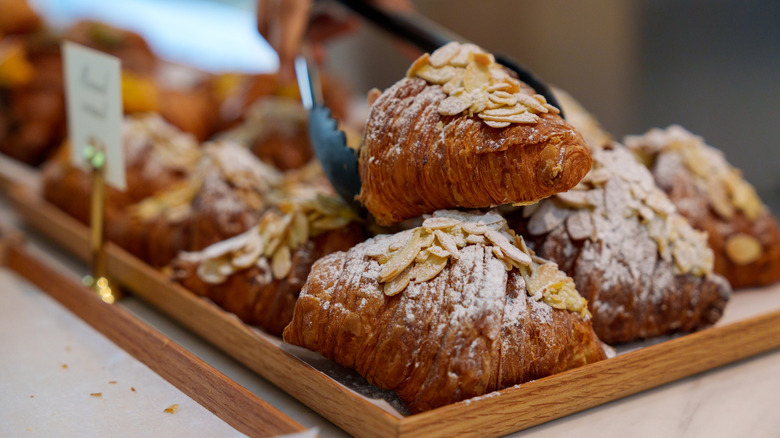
[(643, 269), (714, 197), (460, 131), (454, 309)]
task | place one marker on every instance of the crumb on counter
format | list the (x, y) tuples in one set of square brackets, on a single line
[(96, 394), (132, 388), (64, 366), (112, 382), (172, 408)]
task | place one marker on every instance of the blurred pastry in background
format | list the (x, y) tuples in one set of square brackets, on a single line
[(17, 16), (715, 198), (157, 156), (461, 131), (32, 102), (130, 47), (224, 195), (275, 129), (643, 269), (258, 274)]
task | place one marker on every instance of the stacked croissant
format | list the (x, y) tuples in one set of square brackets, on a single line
[(527, 242)]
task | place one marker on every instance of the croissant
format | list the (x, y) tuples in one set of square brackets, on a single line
[(643, 269), (715, 198), (460, 131), (258, 274), (157, 156), (223, 197), (450, 310)]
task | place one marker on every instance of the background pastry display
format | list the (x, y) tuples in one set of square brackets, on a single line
[(715, 198), (258, 274), (222, 197), (157, 155)]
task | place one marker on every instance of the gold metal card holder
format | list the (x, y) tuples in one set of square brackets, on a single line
[(95, 155)]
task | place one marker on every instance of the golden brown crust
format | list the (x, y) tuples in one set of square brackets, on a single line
[(469, 331), (415, 161)]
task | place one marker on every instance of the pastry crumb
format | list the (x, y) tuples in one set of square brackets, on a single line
[(64, 366), (112, 382), (172, 409), (96, 394), (132, 388), (32, 396)]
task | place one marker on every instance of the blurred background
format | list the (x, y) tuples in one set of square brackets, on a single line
[(711, 66)]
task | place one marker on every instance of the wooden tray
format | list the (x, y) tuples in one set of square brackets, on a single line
[(497, 414)]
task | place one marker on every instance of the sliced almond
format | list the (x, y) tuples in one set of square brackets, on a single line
[(509, 250), (373, 95), (575, 198), (502, 98), (281, 262), (499, 125), (448, 242), (580, 226), (422, 272), (546, 218), (209, 272), (504, 112), (516, 118), (743, 249), (417, 65), (475, 239), (474, 228), (462, 58), (455, 105), (401, 259), (438, 223), (444, 54), (399, 283), (435, 75), (531, 103), (438, 251), (249, 253), (477, 75)]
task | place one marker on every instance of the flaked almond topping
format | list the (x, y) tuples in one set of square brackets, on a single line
[(172, 204), (475, 84), (743, 249), (726, 189), (272, 241), (612, 188), (429, 248)]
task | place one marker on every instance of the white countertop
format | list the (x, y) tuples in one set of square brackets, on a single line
[(38, 337)]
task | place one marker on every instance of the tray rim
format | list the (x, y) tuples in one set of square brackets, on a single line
[(514, 409)]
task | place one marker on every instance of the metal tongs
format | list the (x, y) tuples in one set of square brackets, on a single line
[(340, 162)]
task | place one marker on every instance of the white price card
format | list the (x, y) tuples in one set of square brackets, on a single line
[(94, 103)]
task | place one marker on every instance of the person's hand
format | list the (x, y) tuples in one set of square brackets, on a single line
[(285, 24)]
